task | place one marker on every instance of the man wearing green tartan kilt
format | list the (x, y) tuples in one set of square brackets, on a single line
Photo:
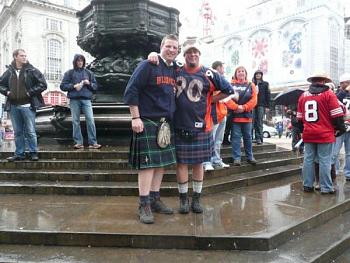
[(150, 94)]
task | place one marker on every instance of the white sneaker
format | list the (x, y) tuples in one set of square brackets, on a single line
[(221, 165), (208, 167), (225, 165)]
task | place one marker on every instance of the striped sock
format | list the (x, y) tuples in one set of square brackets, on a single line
[(197, 186), (183, 187)]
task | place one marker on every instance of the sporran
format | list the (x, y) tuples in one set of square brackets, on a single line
[(163, 134)]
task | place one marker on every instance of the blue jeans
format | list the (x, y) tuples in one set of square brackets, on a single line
[(321, 152), (77, 106), (240, 129), (259, 112), (343, 139), (23, 122), (218, 136)]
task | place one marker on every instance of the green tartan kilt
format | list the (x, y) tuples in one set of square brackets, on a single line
[(144, 150)]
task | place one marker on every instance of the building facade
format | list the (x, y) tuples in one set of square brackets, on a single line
[(288, 40), (347, 45), (47, 30)]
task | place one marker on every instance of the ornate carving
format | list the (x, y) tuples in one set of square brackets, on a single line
[(120, 34)]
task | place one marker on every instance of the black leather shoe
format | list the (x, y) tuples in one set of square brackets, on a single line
[(308, 189), (15, 158), (159, 207), (332, 192), (34, 157), (252, 161), (145, 214)]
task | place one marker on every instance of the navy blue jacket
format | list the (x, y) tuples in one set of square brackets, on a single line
[(152, 89), (342, 94), (75, 76)]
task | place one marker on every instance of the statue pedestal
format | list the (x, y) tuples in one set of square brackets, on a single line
[(119, 34)]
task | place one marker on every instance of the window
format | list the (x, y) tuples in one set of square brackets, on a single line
[(241, 22), (300, 3), (347, 31), (54, 59), (55, 98), (334, 53), (258, 13), (53, 24), (279, 10)]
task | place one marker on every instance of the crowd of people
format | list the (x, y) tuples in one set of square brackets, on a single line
[(182, 113), (203, 110), (197, 103)]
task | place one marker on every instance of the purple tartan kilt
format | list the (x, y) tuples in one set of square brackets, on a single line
[(195, 151), (145, 152)]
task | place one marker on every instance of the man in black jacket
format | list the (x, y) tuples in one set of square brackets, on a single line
[(23, 84), (263, 103)]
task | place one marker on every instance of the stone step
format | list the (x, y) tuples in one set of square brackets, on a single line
[(126, 188), (323, 243), (121, 175), (344, 257), (258, 217), (65, 152), (109, 164), (312, 246)]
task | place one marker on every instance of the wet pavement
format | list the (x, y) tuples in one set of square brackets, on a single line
[(261, 210), (256, 211), (266, 212)]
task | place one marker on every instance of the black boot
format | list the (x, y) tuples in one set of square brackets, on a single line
[(195, 205), (159, 207), (145, 214), (184, 204)]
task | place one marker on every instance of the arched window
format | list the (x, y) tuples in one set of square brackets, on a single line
[(232, 55), (54, 59), (260, 50), (347, 30), (6, 53), (292, 51)]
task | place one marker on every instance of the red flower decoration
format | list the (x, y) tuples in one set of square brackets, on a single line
[(260, 48)]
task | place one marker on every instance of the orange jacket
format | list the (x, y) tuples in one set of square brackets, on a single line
[(221, 109), (248, 106)]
